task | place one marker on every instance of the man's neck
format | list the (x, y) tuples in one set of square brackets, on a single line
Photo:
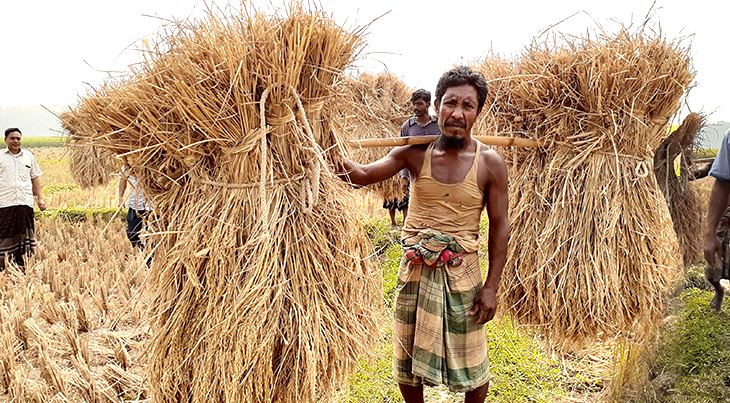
[(423, 119), (16, 151)]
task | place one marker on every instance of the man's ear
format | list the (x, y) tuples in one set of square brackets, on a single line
[(436, 105)]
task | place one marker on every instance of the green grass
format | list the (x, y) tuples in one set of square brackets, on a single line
[(522, 371), (38, 141), (51, 189), (693, 357), (79, 214)]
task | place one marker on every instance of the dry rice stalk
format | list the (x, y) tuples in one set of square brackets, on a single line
[(682, 200), (377, 106), (7, 360), (72, 337), (263, 286), (592, 250), (81, 317), (120, 351), (123, 382), (90, 165), (51, 372)]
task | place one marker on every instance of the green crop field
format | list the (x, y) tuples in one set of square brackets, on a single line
[(36, 142)]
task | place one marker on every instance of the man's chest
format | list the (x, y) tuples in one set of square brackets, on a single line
[(15, 168)]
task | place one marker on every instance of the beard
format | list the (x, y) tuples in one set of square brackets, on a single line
[(452, 143)]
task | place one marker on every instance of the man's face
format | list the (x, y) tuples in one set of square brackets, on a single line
[(13, 142), (420, 107), (457, 111)]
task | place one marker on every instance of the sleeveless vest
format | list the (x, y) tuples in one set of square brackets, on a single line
[(452, 209)]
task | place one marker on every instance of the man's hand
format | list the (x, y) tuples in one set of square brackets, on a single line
[(713, 248), (485, 305), (41, 205)]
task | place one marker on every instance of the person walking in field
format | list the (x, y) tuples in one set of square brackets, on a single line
[(420, 124), (138, 208), (717, 237), (442, 303), (19, 183)]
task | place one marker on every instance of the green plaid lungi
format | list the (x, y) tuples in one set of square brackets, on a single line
[(434, 338)]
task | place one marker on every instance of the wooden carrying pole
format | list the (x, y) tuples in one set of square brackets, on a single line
[(403, 141)]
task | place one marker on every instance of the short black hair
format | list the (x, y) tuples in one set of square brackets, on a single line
[(463, 75), (12, 129), (421, 94)]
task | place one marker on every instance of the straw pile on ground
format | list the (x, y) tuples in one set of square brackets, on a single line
[(380, 105), (265, 289), (90, 165), (682, 200), (592, 249)]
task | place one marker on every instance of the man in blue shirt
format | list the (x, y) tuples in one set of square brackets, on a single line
[(717, 238), (420, 124)]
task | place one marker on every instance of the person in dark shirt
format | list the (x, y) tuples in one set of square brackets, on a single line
[(420, 124)]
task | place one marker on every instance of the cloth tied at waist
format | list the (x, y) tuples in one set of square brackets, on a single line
[(432, 248)]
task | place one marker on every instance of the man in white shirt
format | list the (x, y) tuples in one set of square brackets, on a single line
[(138, 208), (19, 183)]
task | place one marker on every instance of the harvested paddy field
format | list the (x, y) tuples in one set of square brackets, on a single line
[(76, 324)]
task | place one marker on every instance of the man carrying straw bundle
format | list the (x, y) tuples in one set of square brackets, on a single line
[(718, 224), (441, 303)]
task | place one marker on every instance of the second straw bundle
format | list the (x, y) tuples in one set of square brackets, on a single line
[(379, 105), (90, 165), (592, 251), (264, 286), (682, 199)]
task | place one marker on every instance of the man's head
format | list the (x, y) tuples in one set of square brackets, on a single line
[(13, 137), (421, 101), (460, 96)]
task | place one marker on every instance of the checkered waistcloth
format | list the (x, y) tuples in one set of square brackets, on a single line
[(434, 338)]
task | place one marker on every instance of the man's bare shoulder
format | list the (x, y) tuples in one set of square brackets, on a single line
[(490, 156), (409, 149), (493, 164)]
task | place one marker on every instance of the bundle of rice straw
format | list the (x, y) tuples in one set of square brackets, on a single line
[(380, 105), (682, 200), (90, 165), (265, 289), (592, 249)]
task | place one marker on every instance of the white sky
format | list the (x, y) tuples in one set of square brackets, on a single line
[(51, 48)]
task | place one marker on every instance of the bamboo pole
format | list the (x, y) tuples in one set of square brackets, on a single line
[(404, 141)]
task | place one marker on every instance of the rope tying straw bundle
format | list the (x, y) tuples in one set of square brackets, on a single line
[(309, 195)]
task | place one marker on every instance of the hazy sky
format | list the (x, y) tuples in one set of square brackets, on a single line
[(52, 49)]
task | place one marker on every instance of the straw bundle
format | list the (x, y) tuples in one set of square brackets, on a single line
[(592, 249), (682, 200), (380, 104), (90, 165), (264, 286)]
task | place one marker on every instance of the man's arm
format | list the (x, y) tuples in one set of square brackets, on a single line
[(38, 192), (485, 303), (122, 189), (715, 209), (377, 171)]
